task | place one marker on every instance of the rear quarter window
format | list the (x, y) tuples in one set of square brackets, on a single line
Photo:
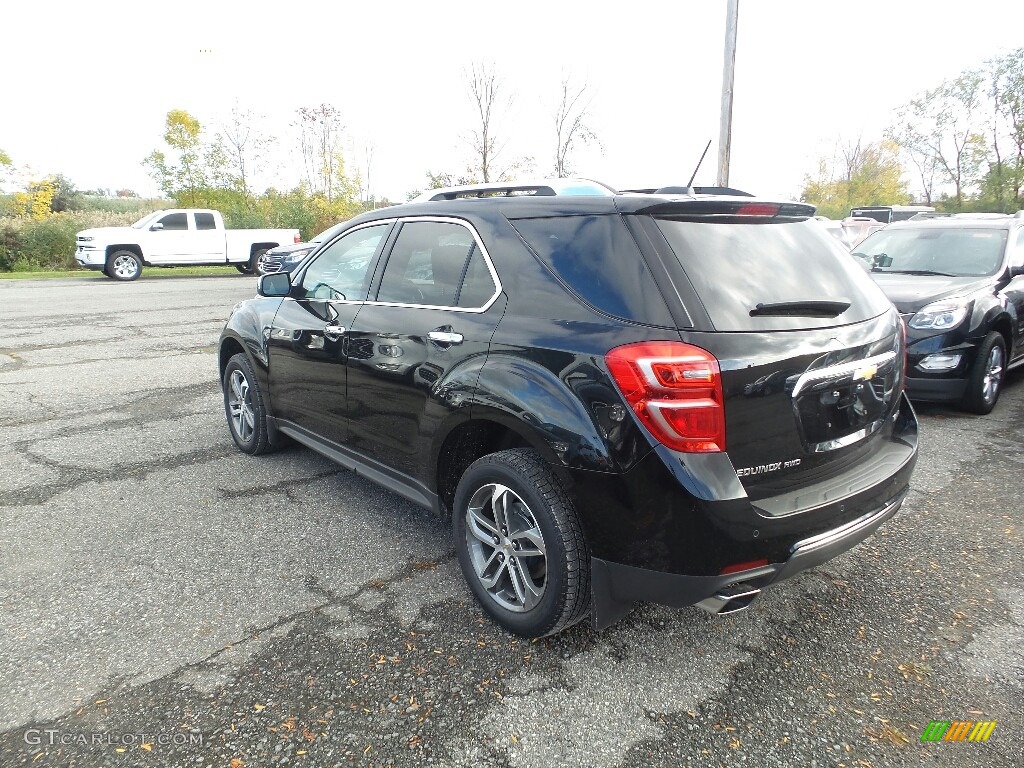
[(736, 266), (597, 259)]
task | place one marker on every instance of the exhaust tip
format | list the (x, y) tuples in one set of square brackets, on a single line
[(730, 599)]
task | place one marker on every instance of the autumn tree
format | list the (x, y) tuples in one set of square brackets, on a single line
[(180, 172), (857, 175), (571, 124), (320, 134)]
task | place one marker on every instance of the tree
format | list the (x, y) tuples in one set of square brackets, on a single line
[(181, 173), (942, 127), (1007, 90), (65, 195), (857, 175), (487, 94), (320, 136), (239, 148), (571, 128)]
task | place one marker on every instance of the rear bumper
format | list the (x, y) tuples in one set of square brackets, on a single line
[(618, 587), (677, 533)]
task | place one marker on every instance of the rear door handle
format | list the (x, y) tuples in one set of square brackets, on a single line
[(334, 332), (445, 337)]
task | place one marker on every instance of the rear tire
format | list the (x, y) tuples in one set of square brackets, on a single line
[(986, 380), (124, 266), (243, 268), (520, 544)]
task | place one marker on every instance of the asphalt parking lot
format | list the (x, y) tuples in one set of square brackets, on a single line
[(168, 601)]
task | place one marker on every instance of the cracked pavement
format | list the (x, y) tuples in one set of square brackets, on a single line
[(161, 588)]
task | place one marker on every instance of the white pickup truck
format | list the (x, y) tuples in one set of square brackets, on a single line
[(173, 238)]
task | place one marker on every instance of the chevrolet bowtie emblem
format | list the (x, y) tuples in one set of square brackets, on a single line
[(866, 373)]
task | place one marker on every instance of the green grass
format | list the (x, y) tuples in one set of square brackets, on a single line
[(147, 272)]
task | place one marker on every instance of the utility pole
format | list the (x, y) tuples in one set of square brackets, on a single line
[(728, 76)]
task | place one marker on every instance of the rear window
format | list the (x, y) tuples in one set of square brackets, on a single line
[(597, 259), (734, 267)]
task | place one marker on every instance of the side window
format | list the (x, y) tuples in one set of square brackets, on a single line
[(433, 263), (174, 222), (342, 270), (205, 221)]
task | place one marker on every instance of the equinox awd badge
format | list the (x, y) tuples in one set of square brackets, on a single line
[(763, 469)]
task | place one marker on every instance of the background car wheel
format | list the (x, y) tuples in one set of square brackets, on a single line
[(254, 262), (520, 544), (244, 408), (123, 265), (986, 380)]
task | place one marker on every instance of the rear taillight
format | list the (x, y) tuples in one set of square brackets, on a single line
[(676, 391), (758, 209), (298, 237)]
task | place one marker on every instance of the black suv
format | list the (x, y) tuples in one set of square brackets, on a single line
[(958, 282), (673, 398)]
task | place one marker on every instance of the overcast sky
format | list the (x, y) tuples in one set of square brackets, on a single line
[(87, 85)]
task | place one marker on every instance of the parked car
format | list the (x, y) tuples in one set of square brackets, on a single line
[(886, 214), (958, 283), (175, 238), (287, 257), (614, 398)]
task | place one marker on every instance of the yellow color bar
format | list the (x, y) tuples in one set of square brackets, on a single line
[(982, 731)]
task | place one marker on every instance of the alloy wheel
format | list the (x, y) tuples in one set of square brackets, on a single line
[(243, 418), (993, 374), (506, 548)]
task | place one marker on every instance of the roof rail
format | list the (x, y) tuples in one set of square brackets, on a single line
[(541, 188)]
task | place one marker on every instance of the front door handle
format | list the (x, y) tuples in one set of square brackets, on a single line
[(445, 337), (334, 332)]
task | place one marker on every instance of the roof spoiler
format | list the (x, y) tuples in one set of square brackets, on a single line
[(691, 191), (710, 208)]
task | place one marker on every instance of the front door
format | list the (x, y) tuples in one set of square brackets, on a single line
[(415, 350), (171, 242), (308, 343)]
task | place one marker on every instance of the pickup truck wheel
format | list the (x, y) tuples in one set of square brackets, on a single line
[(124, 265), (986, 379), (243, 268), (243, 405), (520, 544)]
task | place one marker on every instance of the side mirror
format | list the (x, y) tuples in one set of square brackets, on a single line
[(156, 227), (1016, 271), (275, 284)]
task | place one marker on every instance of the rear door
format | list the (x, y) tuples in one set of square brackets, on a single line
[(1014, 292), (811, 351), (308, 344), (434, 310), (207, 241)]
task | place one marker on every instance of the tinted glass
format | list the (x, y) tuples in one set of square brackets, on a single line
[(597, 259), (427, 265), (175, 221), (205, 221), (734, 267), (341, 270), (961, 251), (478, 285)]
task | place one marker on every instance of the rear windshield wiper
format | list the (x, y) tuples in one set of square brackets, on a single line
[(914, 272), (815, 308)]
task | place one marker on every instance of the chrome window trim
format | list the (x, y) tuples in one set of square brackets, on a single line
[(479, 244), (408, 219)]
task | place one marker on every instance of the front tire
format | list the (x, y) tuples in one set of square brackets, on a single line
[(124, 266), (986, 381), (520, 544), (244, 407)]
